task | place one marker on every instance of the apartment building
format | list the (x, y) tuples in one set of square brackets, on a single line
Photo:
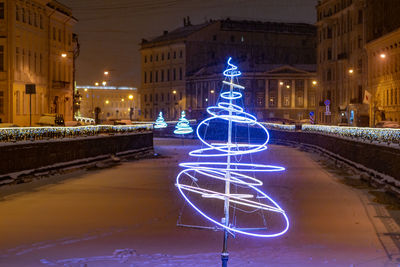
[(168, 60), (36, 48)]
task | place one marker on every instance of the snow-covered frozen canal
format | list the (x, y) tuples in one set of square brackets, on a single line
[(126, 216)]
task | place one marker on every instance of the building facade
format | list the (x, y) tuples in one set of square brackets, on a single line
[(344, 29), (35, 48), (170, 59), (112, 103), (342, 62), (272, 92), (384, 78)]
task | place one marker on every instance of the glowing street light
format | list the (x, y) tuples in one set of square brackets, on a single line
[(212, 91), (107, 102), (351, 71), (280, 83), (382, 55), (122, 100), (64, 55), (314, 82), (288, 86), (104, 83), (130, 97), (174, 92), (106, 73), (96, 84), (85, 89)]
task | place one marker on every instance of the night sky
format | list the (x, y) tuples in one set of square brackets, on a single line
[(110, 30)]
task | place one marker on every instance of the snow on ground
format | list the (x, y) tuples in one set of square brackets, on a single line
[(126, 216)]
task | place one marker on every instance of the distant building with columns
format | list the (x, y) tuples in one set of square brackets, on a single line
[(175, 60), (113, 102), (272, 92)]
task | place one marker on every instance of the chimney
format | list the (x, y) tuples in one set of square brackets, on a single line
[(165, 32)]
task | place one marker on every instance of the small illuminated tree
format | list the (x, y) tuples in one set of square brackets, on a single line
[(183, 127), (160, 123)]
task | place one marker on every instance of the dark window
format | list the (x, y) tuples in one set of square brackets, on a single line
[(157, 76), (232, 38), (360, 16), (145, 59), (162, 97), (169, 55), (329, 75), (214, 37), (145, 98), (1, 102), (151, 58), (162, 75), (168, 75), (174, 75), (174, 54), (157, 57), (35, 20), (151, 76), (1, 10), (156, 97), (162, 56), (41, 21), (145, 77), (29, 17), (1, 58), (329, 53), (180, 73), (151, 98), (180, 53), (16, 13), (23, 15)]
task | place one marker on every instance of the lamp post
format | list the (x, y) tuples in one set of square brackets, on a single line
[(75, 54), (131, 108)]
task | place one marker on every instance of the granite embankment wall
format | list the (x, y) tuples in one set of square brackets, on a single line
[(383, 159), (27, 155)]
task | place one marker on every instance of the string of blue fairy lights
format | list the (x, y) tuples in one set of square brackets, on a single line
[(234, 173)]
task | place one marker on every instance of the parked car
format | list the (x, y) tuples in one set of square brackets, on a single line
[(387, 124)]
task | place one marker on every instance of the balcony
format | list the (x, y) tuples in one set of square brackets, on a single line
[(60, 85)]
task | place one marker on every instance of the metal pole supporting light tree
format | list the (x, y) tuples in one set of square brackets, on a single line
[(225, 192), (160, 122)]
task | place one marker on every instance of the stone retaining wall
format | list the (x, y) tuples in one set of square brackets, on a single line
[(383, 159), (20, 156)]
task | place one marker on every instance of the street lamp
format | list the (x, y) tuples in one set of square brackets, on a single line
[(351, 71), (75, 54), (314, 82), (382, 55), (104, 83), (96, 84), (106, 73), (131, 109)]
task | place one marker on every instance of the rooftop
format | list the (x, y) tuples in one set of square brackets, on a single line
[(234, 25)]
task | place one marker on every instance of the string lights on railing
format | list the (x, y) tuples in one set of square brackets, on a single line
[(41, 133)]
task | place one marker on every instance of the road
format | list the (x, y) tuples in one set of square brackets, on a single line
[(126, 216)]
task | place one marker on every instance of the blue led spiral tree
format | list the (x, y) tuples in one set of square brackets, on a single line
[(160, 123), (229, 182), (183, 127)]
